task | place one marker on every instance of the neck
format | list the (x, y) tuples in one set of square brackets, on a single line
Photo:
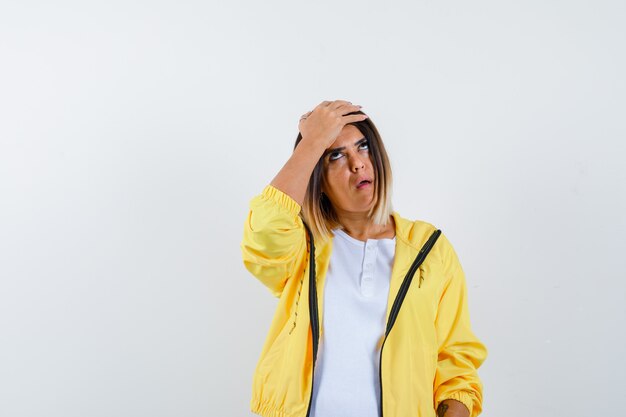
[(360, 227)]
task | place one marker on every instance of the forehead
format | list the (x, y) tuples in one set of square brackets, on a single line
[(349, 134)]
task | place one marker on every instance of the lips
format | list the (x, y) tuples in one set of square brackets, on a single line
[(363, 181)]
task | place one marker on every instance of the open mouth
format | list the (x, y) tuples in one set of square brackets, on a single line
[(363, 184)]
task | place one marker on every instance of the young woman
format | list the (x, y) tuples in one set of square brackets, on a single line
[(372, 317)]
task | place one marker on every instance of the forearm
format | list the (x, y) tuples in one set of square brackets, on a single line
[(452, 408), (293, 178)]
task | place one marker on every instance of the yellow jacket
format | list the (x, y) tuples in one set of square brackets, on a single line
[(428, 353)]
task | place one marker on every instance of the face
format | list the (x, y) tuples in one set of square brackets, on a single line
[(344, 168)]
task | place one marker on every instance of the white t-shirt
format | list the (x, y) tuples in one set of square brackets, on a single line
[(346, 380)]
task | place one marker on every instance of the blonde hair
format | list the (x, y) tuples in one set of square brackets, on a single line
[(317, 210)]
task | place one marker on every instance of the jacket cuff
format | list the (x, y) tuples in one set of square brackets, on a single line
[(274, 194), (462, 396)]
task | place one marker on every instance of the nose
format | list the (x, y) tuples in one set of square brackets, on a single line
[(356, 163)]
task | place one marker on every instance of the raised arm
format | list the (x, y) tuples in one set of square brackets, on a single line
[(319, 128), (274, 238)]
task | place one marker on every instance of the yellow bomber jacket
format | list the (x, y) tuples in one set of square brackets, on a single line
[(428, 354)]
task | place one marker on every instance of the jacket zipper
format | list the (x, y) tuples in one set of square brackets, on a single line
[(313, 313), (397, 303)]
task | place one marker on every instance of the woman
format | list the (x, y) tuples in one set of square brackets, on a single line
[(372, 317)]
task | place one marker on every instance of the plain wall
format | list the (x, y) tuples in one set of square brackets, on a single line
[(134, 134)]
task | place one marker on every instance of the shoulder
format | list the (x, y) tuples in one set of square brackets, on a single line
[(415, 232), (412, 231)]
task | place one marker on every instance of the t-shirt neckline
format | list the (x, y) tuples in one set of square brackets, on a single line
[(341, 233)]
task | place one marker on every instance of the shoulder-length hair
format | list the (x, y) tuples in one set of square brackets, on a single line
[(317, 210)]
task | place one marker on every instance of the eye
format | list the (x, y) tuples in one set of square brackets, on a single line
[(331, 158), (362, 146)]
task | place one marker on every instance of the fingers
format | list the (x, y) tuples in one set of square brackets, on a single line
[(349, 109), (355, 118), (345, 106), (340, 107)]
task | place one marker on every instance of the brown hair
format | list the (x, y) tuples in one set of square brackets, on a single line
[(317, 210)]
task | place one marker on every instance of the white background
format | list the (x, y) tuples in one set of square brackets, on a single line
[(134, 134)]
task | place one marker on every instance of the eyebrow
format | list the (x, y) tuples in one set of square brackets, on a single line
[(341, 148)]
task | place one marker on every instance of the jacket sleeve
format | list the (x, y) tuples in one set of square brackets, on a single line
[(274, 238), (460, 353)]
